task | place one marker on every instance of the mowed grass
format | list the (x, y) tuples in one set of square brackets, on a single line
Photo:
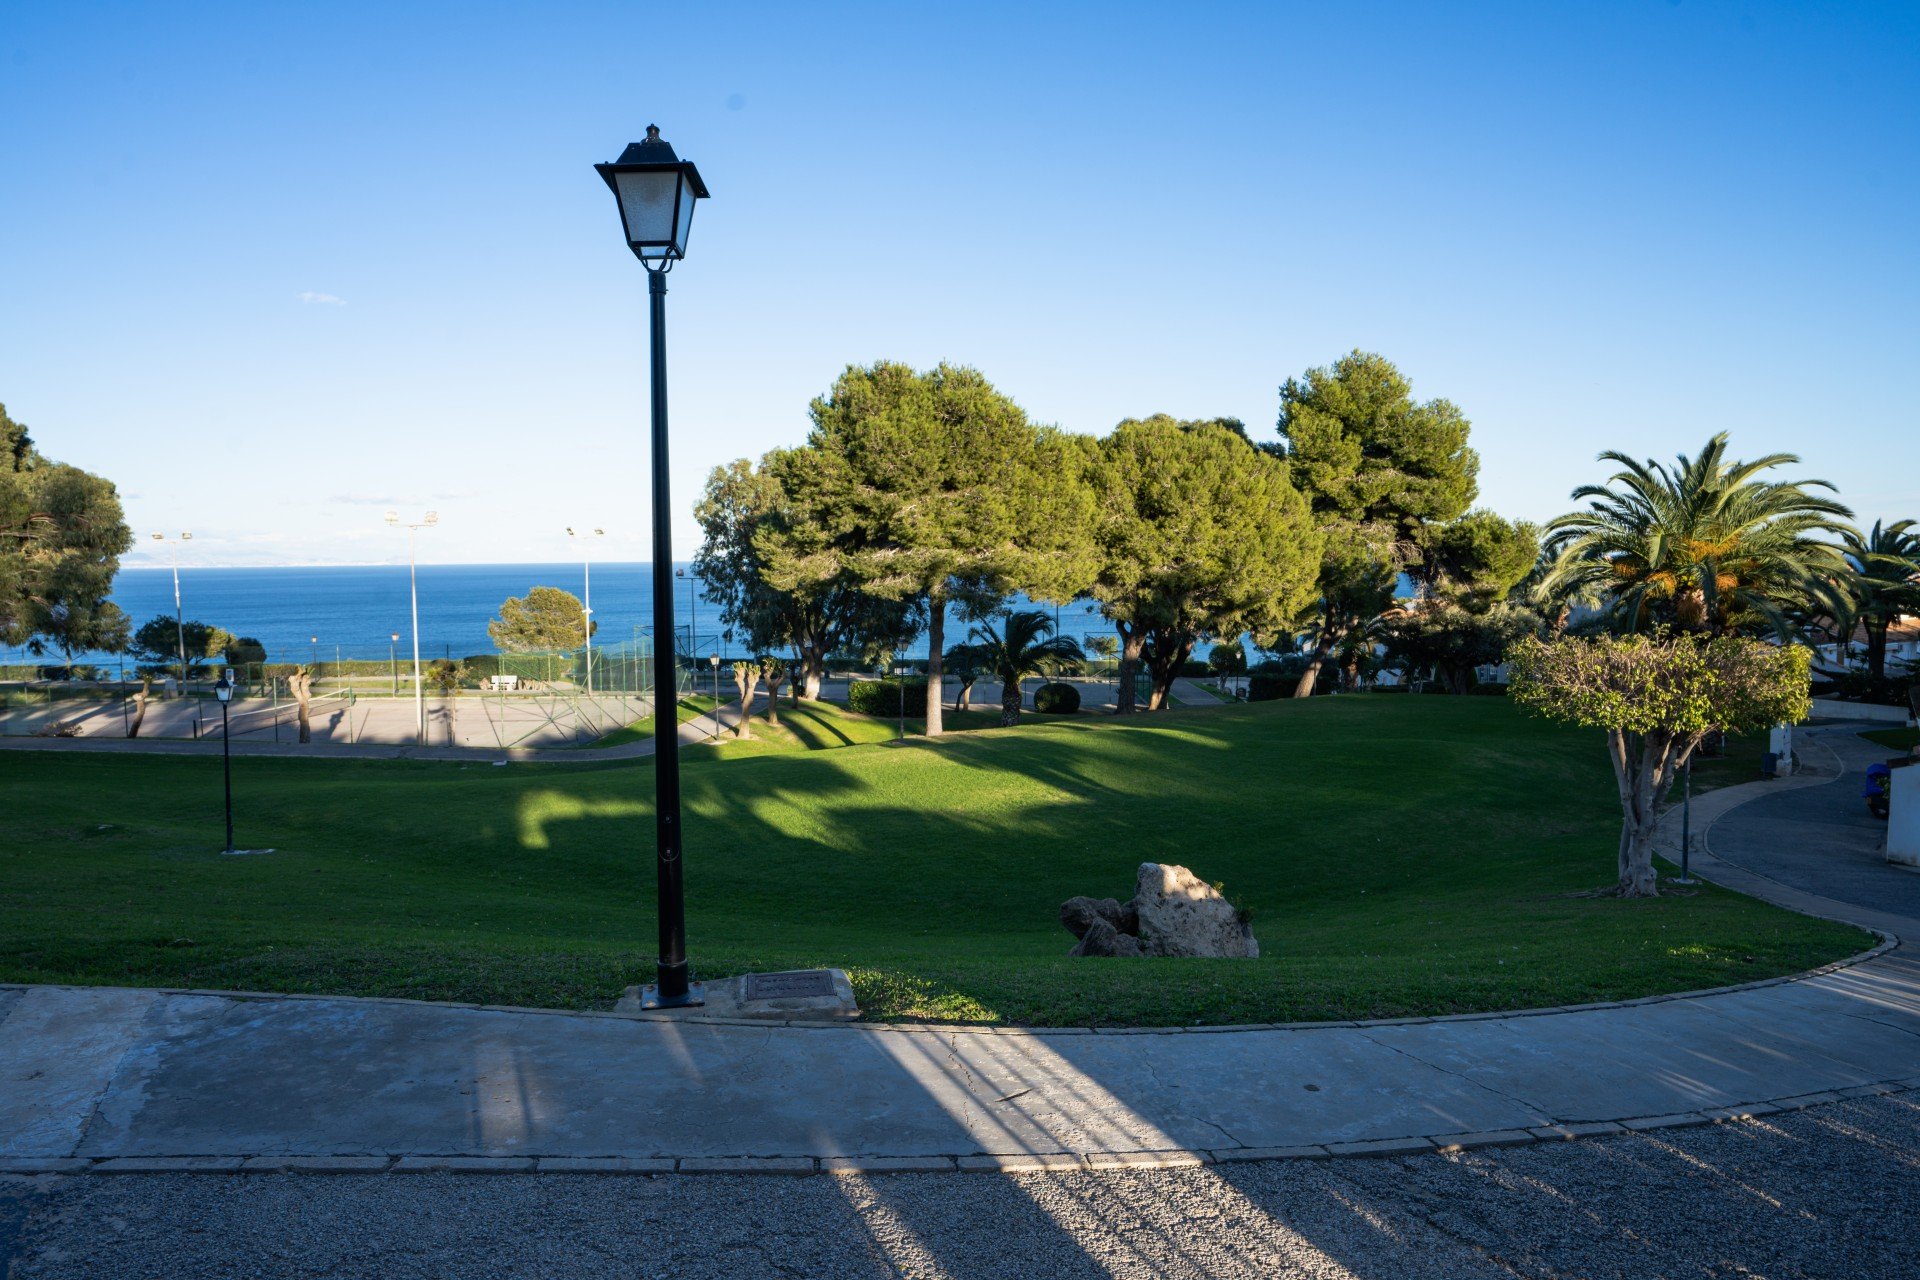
[(1898, 739), (1400, 855), (805, 726)]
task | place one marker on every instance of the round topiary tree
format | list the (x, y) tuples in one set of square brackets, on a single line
[(1657, 696), (1056, 699)]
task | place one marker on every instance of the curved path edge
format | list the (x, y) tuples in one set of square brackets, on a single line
[(113, 1080)]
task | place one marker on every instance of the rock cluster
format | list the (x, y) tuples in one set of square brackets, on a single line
[(1172, 913)]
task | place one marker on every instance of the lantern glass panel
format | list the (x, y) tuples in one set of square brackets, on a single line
[(647, 204), (686, 215)]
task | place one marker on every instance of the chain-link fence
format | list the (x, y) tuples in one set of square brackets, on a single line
[(543, 698)]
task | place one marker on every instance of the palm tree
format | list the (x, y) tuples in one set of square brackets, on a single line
[(1704, 546), (966, 663), (1024, 646), (1884, 582)]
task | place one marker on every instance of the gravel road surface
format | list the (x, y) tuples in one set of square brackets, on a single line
[(1829, 1192)]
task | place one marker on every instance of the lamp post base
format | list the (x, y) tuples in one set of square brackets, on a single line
[(650, 997)]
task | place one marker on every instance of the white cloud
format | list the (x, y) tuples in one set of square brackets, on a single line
[(309, 296)]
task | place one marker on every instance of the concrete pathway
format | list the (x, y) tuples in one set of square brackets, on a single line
[(698, 729), (128, 1080)]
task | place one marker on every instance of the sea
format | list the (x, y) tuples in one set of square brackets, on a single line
[(329, 612)]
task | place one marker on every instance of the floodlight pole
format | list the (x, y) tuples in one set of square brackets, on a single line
[(179, 617), (226, 767), (413, 593)]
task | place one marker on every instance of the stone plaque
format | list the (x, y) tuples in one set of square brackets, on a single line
[(797, 985)]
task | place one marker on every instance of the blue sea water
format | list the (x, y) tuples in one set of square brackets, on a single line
[(315, 612)]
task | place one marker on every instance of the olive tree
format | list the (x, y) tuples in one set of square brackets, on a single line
[(1657, 695)]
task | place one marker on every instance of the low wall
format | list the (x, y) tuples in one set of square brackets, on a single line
[(1834, 709)]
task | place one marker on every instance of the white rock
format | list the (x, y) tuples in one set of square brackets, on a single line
[(1183, 915)]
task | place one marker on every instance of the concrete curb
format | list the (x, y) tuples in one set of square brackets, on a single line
[(1018, 1162)]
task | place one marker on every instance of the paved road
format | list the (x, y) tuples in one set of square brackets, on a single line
[(1825, 1193), (1821, 839)]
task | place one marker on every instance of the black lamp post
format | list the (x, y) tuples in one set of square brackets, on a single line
[(224, 691), (713, 660), (656, 191), (900, 672)]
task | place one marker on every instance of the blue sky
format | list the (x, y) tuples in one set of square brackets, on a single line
[(275, 269)]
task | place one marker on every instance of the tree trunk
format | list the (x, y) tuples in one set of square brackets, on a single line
[(300, 684), (813, 669), (1010, 700), (774, 681), (140, 706), (1642, 783), (1311, 676), (963, 700), (1169, 655), (1877, 647), (936, 641), (746, 680), (1132, 642), (1350, 674)]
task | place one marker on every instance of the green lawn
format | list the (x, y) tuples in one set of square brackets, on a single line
[(1898, 739), (689, 706), (809, 726), (1400, 855), (1738, 761)]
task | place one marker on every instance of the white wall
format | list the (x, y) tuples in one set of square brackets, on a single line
[(1903, 819)]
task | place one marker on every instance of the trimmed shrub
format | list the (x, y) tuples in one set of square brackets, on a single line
[(1891, 690), (1277, 678), (1056, 699), (1268, 686), (884, 697)]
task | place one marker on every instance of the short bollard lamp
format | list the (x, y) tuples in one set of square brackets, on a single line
[(224, 691), (656, 191)]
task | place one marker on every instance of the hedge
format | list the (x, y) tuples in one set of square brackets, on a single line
[(1056, 699), (886, 697)]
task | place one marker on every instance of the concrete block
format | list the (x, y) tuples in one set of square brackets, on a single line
[(801, 995), (1486, 1138), (1867, 1091), (1589, 1129), (1235, 1155), (1145, 1159), (1381, 1147), (1799, 1101), (1678, 1120), (463, 1164), (603, 1164), (748, 1164), (1022, 1162), (170, 1164), (887, 1164), (316, 1164), (43, 1164)]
